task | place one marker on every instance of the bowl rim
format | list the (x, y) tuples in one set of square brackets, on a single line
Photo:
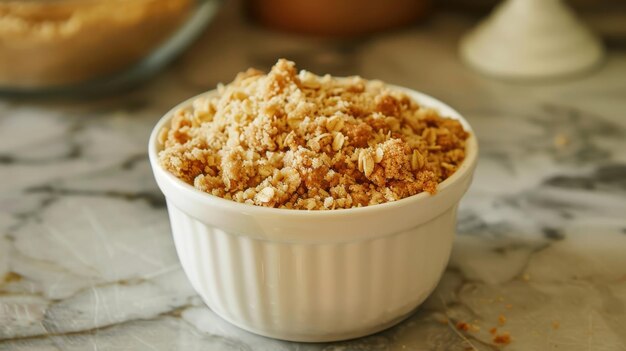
[(461, 173)]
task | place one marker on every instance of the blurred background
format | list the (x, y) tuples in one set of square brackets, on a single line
[(73, 47)]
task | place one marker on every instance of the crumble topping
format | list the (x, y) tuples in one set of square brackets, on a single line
[(301, 141)]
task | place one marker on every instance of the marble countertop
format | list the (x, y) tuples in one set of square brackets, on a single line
[(87, 261)]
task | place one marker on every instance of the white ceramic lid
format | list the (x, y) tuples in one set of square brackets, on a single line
[(525, 39)]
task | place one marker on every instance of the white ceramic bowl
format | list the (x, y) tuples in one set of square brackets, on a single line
[(314, 275)]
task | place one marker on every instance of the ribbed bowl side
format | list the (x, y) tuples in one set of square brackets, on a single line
[(311, 292)]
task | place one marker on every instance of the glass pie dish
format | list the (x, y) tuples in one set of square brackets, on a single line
[(85, 45)]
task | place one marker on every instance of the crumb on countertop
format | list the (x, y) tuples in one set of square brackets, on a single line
[(501, 320), (503, 338), (462, 326)]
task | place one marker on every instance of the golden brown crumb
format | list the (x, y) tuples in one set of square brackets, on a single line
[(462, 326), (493, 331), (303, 141), (504, 338), (501, 320), (561, 141), (556, 325), (467, 326)]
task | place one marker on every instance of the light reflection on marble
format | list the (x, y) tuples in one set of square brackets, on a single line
[(87, 261)]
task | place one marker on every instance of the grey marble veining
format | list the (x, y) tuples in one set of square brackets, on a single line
[(87, 260)]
